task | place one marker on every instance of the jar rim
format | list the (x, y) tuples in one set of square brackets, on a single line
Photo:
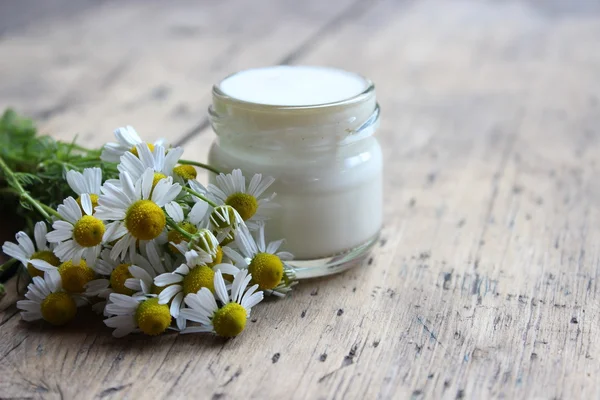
[(221, 96)]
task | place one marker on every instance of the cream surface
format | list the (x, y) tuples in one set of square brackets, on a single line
[(293, 86)]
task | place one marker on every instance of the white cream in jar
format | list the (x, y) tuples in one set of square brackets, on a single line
[(311, 128)]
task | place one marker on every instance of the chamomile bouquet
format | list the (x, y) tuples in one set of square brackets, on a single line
[(128, 231)]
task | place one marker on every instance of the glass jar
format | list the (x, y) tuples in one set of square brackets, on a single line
[(311, 128)]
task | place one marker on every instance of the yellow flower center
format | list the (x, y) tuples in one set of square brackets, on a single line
[(217, 258), (135, 152), (219, 215), (118, 277), (197, 278), (176, 237), (229, 320), (88, 231), (157, 177), (58, 308), (266, 270), (153, 318), (187, 172), (45, 255), (245, 204), (75, 277), (93, 198), (145, 220)]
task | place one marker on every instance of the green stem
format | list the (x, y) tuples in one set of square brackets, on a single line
[(14, 182), (81, 148), (179, 229), (201, 165), (7, 265), (193, 192), (51, 211)]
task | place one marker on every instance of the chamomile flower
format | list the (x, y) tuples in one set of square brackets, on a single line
[(264, 262), (88, 182), (189, 278), (79, 234), (190, 223), (113, 274), (159, 160), (136, 211), (136, 313), (247, 201), (74, 276), (25, 250), (46, 300), (127, 138), (230, 318), (145, 269)]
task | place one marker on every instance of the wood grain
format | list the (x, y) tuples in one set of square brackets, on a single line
[(485, 281)]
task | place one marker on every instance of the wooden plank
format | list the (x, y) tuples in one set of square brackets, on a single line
[(147, 64), (485, 281)]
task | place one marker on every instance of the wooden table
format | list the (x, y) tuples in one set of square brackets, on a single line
[(485, 282)]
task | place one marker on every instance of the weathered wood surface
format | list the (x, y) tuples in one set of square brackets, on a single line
[(485, 283)]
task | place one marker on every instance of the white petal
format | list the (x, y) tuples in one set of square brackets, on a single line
[(119, 250), (25, 243), (70, 210), (93, 180), (39, 232), (183, 269), (146, 156), (53, 280), (220, 288), (226, 269), (86, 203), (285, 256), (193, 315), (109, 213), (260, 239), (198, 212), (235, 257), (124, 324), (239, 284), (167, 279), (274, 246), (165, 191), (171, 159), (146, 183), (15, 251), (181, 323), (264, 185), (112, 151), (176, 305), (133, 284), (154, 258), (42, 265), (114, 231), (167, 294), (76, 181), (198, 329), (251, 301), (174, 211), (127, 136), (140, 273)]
